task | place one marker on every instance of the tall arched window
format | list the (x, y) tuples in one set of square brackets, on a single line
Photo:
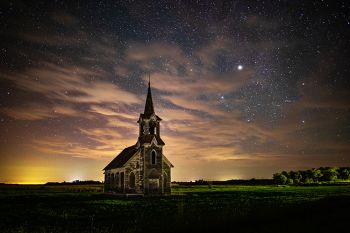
[(117, 179), (131, 180), (112, 180), (153, 159), (108, 179), (152, 127)]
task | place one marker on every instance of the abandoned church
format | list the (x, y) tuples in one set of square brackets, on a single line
[(141, 168)]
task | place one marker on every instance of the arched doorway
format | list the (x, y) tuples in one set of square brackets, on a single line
[(154, 186), (132, 180)]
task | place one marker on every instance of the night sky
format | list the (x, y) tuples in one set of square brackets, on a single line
[(244, 88)]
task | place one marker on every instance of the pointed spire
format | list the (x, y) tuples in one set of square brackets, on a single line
[(149, 110)]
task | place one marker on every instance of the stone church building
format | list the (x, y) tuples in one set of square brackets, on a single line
[(141, 168)]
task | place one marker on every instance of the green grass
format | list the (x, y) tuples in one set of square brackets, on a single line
[(225, 208)]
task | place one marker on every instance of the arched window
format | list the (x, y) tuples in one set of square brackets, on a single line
[(131, 180), (152, 127), (109, 179), (117, 179), (112, 180), (122, 180), (153, 157)]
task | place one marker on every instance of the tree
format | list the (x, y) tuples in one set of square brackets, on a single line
[(344, 174), (306, 176), (309, 181), (316, 174), (279, 178), (297, 177), (286, 174), (330, 174)]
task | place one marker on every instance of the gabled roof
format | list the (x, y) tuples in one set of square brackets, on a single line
[(167, 161), (149, 137), (122, 158)]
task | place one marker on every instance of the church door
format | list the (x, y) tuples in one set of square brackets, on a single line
[(153, 185)]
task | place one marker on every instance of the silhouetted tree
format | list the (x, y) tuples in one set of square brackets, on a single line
[(297, 177), (289, 181), (312, 175), (344, 174), (279, 178), (286, 174), (316, 174), (330, 174), (306, 176)]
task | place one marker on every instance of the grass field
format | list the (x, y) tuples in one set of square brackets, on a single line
[(230, 208)]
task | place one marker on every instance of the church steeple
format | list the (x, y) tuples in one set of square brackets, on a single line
[(149, 110), (149, 121)]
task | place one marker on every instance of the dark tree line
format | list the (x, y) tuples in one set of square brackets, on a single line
[(315, 175)]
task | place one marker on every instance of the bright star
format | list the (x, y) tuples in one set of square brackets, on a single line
[(239, 67)]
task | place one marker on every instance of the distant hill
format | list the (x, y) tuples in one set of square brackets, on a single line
[(75, 182), (227, 182)]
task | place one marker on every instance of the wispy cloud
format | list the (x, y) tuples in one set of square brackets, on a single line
[(89, 88)]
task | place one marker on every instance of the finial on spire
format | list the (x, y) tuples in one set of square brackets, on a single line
[(149, 110), (149, 79)]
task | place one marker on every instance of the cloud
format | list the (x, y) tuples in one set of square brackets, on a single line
[(30, 112), (71, 84), (95, 143), (34, 112), (196, 84)]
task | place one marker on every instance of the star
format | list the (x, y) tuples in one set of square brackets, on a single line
[(87, 87)]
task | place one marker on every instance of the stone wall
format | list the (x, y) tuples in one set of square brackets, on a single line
[(148, 178), (166, 178), (153, 172), (113, 177), (135, 166)]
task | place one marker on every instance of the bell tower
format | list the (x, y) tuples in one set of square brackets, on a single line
[(149, 122), (155, 180)]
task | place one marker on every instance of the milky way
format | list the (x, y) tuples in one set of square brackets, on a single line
[(244, 88)]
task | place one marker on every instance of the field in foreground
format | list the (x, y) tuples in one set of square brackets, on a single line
[(230, 208)]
